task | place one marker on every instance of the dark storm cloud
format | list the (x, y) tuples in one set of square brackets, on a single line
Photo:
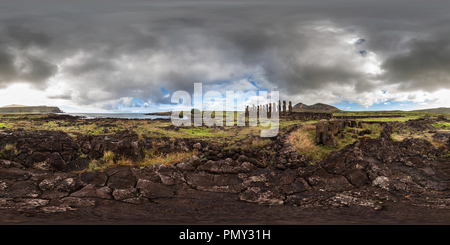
[(24, 68), (7, 69), (25, 37), (424, 66), (110, 50)]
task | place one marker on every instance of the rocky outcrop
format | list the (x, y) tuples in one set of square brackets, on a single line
[(326, 130), (125, 143), (56, 150), (420, 125), (365, 117), (370, 174), (366, 173), (47, 150)]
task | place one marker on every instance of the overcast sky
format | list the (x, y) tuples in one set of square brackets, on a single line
[(106, 55)]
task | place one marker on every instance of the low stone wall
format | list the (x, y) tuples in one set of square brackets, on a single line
[(319, 116), (308, 116), (326, 130), (363, 117)]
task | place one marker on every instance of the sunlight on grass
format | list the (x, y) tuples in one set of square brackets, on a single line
[(303, 141), (167, 159)]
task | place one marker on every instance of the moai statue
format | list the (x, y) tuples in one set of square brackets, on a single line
[(290, 106), (279, 107), (284, 107), (269, 113)]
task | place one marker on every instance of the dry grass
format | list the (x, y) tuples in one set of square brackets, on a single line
[(107, 161), (303, 142), (167, 159), (108, 157), (260, 142), (96, 165), (301, 139), (124, 161), (397, 137), (439, 143)]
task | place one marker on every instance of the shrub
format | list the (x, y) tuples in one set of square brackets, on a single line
[(94, 165), (108, 157), (9, 147)]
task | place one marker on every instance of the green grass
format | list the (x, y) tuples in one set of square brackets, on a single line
[(407, 114), (441, 124), (375, 128), (199, 132), (5, 125)]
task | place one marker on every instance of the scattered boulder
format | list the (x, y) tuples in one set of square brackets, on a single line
[(121, 178), (364, 132), (326, 131)]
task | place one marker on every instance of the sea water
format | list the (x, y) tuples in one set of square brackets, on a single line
[(117, 115)]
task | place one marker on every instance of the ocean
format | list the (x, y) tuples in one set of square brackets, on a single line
[(117, 115)]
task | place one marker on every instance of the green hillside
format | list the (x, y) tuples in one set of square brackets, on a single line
[(436, 110)]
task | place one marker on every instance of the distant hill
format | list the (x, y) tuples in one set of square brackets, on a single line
[(436, 110), (29, 109), (13, 105), (316, 107)]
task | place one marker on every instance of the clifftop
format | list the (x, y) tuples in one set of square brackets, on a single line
[(29, 109)]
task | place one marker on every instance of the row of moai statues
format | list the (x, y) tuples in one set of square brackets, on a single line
[(269, 108)]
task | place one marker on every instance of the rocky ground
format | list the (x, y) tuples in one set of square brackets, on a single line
[(370, 181)]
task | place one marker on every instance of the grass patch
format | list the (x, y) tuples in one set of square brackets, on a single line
[(5, 126), (441, 125), (108, 157), (9, 147), (396, 137), (167, 159), (199, 132), (95, 165), (12, 148), (303, 141), (260, 142), (375, 128)]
